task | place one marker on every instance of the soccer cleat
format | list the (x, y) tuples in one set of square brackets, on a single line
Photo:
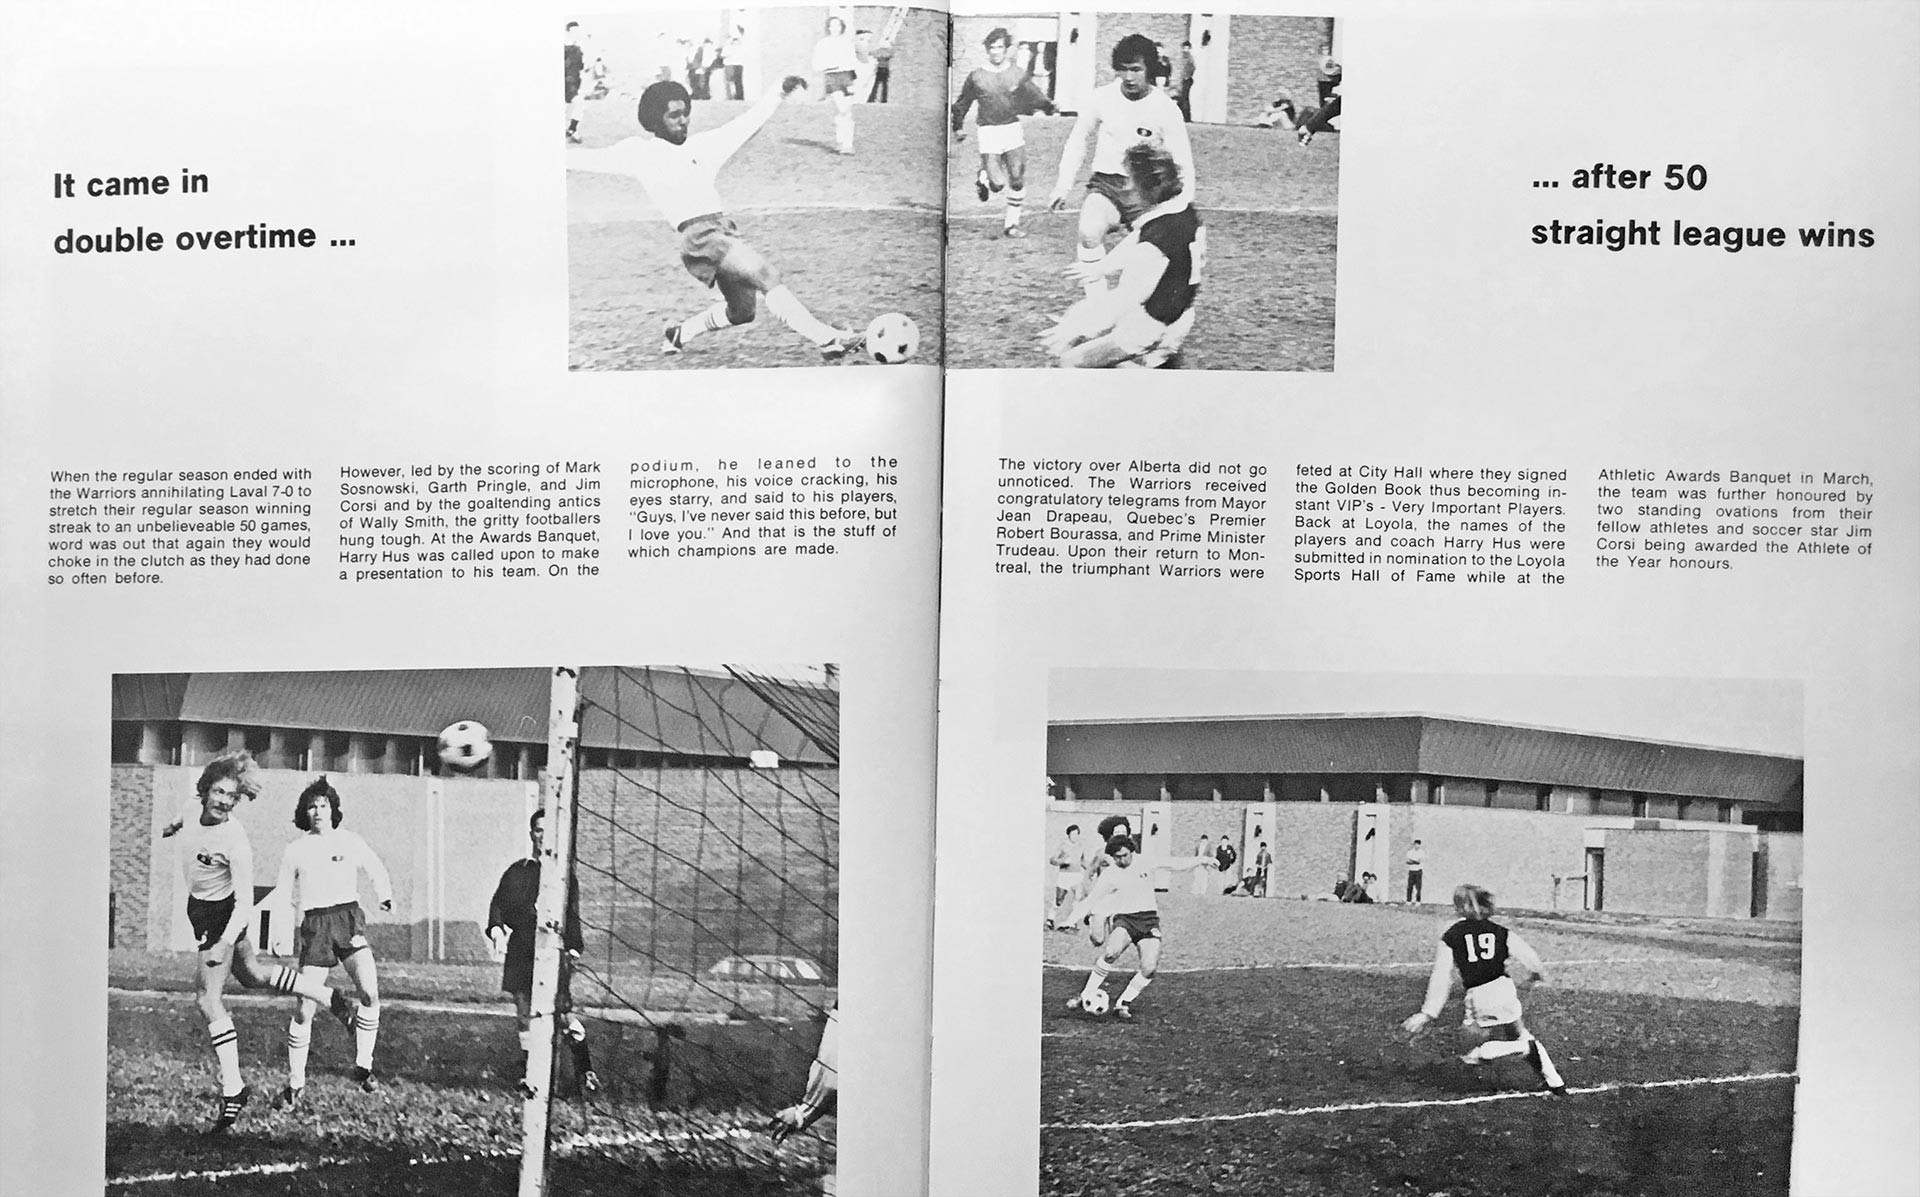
[(589, 1081), (341, 1008), (980, 186), (1123, 1011), (848, 342), (364, 1078), (671, 342), (1014, 230), (1557, 1090), (291, 1098), (230, 1107), (1073, 1004), (1473, 1058)]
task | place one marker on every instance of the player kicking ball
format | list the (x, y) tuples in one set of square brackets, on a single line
[(1005, 93), (1144, 319), (1126, 913), (1479, 949), (1122, 114), (678, 171)]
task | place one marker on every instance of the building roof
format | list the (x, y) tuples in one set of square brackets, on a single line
[(1420, 744), (676, 711)]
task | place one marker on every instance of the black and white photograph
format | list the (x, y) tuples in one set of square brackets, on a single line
[(475, 931), (1332, 934), (754, 187), (1154, 190)]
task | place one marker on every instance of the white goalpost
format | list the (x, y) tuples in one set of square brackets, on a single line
[(556, 865)]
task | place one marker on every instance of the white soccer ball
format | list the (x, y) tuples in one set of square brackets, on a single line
[(465, 746), (892, 338), (1096, 1004)]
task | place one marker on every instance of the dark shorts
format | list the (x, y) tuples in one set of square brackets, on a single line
[(330, 934), (705, 242), (516, 975), (1120, 193), (839, 83), (1139, 927), (209, 920), (573, 87)]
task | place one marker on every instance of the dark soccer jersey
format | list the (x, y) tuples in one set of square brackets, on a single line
[(1180, 236), (1004, 95), (1479, 949)]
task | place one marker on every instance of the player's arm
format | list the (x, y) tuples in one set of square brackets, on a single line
[(1181, 147), (823, 1085), (497, 906), (620, 158), (287, 885), (1072, 155), (1522, 951), (1101, 887), (189, 809), (240, 868), (728, 138), (1030, 98), (968, 94), (377, 870), (1439, 984), (570, 936)]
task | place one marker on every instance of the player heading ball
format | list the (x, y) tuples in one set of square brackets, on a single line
[(678, 169)]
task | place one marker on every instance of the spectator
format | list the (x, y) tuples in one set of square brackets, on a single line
[(1415, 857)]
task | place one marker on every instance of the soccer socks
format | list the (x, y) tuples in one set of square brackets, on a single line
[(1096, 978), (226, 1051), (366, 1029), (1093, 255), (299, 1039), (843, 129), (788, 310), (1016, 206), (1494, 1049), (1543, 1064), (712, 320), (577, 1044), (1140, 981)]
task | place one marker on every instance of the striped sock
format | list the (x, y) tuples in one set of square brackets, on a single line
[(1140, 981), (1543, 1063), (712, 319), (1096, 978), (226, 1051), (299, 1039), (366, 1028), (282, 979), (787, 308), (1016, 206)]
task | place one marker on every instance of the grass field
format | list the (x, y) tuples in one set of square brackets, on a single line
[(447, 1117), (852, 236), (1267, 299), (1267, 1059)]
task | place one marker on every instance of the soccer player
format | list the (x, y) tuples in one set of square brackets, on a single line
[(512, 913), (1121, 114), (319, 876), (575, 65), (218, 861), (836, 59), (1477, 948), (822, 1094), (1126, 910), (678, 172), (1005, 93), (1145, 319), (1069, 863)]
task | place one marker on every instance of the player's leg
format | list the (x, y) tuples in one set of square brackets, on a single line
[(300, 1038), (1540, 1061), (216, 965), (1117, 942), (1098, 217), (1149, 964), (843, 120), (255, 970), (574, 1031), (746, 273), (1016, 166), (983, 183), (366, 1020)]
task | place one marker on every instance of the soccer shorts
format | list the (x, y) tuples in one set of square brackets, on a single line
[(1068, 880), (1493, 1004), (1001, 139), (1119, 193), (705, 242), (209, 919), (839, 83), (516, 975), (573, 87), (332, 933), (1149, 342), (1139, 927)]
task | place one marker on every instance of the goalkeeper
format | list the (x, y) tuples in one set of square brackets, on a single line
[(823, 1085), (1482, 951), (512, 914)]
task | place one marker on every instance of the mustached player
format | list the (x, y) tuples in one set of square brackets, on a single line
[(679, 171), (1004, 93), (1125, 907), (1145, 318), (1122, 114)]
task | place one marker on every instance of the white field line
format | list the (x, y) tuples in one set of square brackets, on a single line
[(599, 1013), (1425, 1104), (1393, 964), (570, 1145)]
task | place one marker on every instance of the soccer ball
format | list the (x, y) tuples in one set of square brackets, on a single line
[(465, 746), (892, 338), (1097, 1004)]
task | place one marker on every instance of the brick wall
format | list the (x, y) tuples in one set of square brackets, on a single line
[(1266, 54), (130, 862), (1777, 874), (1514, 853), (1707, 873)]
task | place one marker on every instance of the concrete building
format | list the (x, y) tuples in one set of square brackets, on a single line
[(1545, 818)]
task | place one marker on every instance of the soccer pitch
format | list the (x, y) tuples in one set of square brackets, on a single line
[(1267, 1059)]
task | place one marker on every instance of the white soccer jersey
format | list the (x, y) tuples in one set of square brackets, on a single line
[(318, 871), (211, 857), (681, 180), (1133, 889), (836, 54), (1124, 123)]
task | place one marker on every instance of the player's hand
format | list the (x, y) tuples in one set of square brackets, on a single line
[(786, 1122), (573, 954), (1057, 202), (1093, 272), (172, 829), (1416, 1024), (387, 904)]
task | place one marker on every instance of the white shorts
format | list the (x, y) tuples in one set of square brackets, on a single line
[(1494, 1004), (1148, 341), (1068, 880), (1001, 139)]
